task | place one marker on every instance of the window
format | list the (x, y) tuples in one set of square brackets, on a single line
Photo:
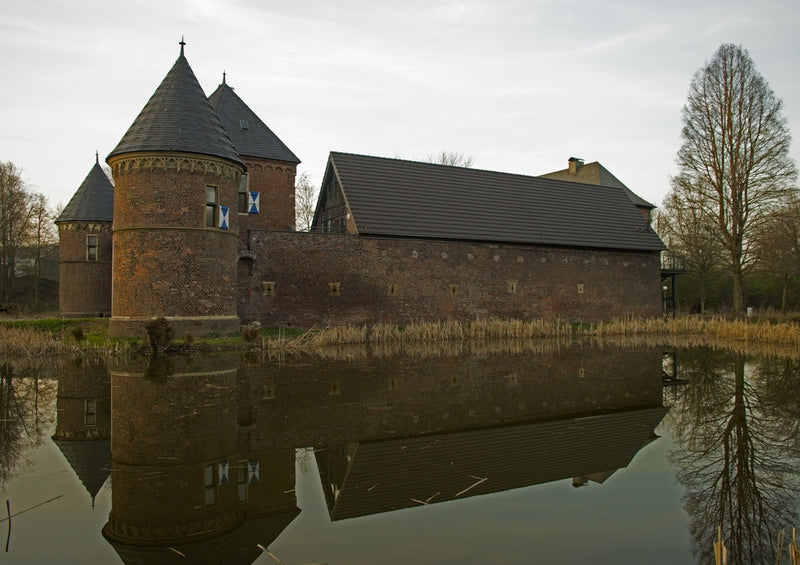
[(90, 413), (211, 206), (91, 247), (241, 205), (242, 476), (209, 485)]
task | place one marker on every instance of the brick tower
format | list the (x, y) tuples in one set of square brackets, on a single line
[(177, 178), (84, 251), (266, 198)]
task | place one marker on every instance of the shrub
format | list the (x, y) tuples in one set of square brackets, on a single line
[(159, 334)]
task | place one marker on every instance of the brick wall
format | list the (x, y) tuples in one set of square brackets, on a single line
[(84, 285), (167, 262), (274, 181), (306, 280)]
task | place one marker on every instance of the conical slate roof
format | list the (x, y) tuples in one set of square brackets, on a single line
[(93, 201), (250, 136), (178, 117)]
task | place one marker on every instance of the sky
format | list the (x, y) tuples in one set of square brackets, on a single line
[(520, 86)]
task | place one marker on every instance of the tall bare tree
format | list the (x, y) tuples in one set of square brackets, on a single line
[(734, 164), (305, 202)]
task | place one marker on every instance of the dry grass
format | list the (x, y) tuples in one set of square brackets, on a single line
[(728, 330), (24, 342), (450, 337)]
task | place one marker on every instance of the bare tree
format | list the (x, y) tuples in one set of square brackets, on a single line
[(42, 233), (734, 164), (305, 202), (451, 158), (685, 232), (778, 247), (15, 222)]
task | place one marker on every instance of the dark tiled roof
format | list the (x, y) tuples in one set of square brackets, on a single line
[(93, 201), (595, 173), (402, 473), (392, 197), (250, 136), (90, 459), (178, 117)]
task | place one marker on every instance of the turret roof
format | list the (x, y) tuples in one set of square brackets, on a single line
[(178, 118), (250, 136), (93, 201)]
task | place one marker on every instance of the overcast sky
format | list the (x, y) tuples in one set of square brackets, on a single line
[(518, 85)]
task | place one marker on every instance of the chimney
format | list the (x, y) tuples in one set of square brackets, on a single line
[(575, 164)]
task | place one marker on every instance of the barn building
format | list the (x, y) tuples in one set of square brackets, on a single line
[(203, 233)]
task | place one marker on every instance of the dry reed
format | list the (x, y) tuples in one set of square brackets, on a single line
[(451, 337), (26, 342)]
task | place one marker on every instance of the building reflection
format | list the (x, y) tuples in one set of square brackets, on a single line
[(83, 426), (186, 482), (203, 451)]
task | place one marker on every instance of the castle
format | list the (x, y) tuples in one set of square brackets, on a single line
[(198, 228)]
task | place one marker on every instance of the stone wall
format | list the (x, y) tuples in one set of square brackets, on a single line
[(313, 280)]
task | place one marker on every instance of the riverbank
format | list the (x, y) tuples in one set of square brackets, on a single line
[(81, 336)]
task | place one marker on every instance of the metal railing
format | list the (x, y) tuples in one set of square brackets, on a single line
[(673, 262)]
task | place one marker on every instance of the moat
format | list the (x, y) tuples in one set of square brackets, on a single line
[(547, 453)]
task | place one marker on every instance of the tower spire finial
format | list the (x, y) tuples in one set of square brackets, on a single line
[(96, 156), (223, 77), (182, 43)]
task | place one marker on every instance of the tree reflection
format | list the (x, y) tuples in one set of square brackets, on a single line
[(735, 429), (24, 398)]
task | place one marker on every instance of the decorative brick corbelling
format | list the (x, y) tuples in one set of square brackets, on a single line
[(178, 162)]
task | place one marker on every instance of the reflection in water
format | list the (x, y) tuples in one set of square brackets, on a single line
[(204, 456), (27, 391), (736, 429), (83, 430)]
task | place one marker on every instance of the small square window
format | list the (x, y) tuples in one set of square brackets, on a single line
[(580, 288), (392, 291), (269, 289), (512, 287), (334, 289), (454, 289)]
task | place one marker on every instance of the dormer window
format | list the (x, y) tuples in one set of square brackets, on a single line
[(244, 124)]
